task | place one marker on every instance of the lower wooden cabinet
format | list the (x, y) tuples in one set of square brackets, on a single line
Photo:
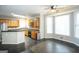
[(26, 32), (34, 35)]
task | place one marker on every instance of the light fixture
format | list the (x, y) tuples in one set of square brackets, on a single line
[(19, 16), (53, 10)]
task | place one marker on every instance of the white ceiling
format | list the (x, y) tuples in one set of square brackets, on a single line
[(20, 9), (6, 10)]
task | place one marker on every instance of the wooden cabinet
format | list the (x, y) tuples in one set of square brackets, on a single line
[(26, 32), (10, 23), (3, 20), (36, 23), (34, 35), (13, 23)]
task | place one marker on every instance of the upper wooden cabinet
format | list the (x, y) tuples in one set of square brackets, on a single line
[(3, 20), (36, 23), (13, 23), (10, 23)]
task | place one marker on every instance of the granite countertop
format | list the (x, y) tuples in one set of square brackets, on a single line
[(21, 29)]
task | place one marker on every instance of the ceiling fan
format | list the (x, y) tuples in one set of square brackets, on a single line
[(51, 9)]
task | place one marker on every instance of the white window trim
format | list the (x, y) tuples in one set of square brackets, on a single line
[(69, 21)]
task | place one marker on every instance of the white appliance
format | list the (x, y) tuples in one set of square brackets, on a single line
[(3, 27)]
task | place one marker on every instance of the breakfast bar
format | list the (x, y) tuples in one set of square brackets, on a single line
[(13, 40)]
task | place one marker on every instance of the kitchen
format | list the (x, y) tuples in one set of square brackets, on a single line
[(14, 32)]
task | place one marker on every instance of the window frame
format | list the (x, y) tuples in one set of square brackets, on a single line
[(69, 23), (75, 19)]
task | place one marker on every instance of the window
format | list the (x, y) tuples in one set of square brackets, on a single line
[(49, 22), (77, 26), (62, 25), (23, 23)]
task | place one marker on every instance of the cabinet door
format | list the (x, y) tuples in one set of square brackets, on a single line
[(13, 23), (34, 35)]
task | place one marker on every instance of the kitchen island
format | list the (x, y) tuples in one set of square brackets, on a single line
[(13, 40)]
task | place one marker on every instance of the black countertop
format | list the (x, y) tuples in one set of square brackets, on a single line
[(20, 30)]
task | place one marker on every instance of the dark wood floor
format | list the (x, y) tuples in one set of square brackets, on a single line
[(52, 46)]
